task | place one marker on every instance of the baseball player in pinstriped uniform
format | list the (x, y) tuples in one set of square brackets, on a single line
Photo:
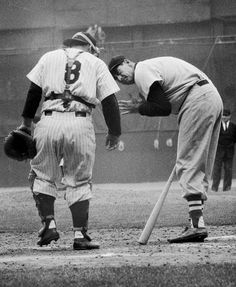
[(72, 80), (171, 85)]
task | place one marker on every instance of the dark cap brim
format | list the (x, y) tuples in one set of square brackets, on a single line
[(115, 62)]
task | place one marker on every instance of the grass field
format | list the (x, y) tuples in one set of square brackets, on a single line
[(117, 216)]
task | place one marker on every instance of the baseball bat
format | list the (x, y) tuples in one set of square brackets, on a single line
[(143, 239)]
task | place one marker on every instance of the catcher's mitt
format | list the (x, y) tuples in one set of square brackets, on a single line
[(19, 145)]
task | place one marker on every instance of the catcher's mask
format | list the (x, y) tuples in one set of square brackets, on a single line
[(19, 145), (83, 38)]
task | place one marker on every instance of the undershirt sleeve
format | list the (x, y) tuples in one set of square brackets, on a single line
[(111, 114), (157, 103), (32, 101)]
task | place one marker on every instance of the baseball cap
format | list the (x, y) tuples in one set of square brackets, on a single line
[(82, 38), (115, 62), (226, 112)]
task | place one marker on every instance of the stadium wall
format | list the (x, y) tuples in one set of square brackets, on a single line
[(138, 29)]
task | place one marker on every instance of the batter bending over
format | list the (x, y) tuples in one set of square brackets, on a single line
[(170, 85)]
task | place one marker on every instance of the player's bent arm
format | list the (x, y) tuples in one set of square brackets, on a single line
[(111, 114), (33, 99), (157, 103)]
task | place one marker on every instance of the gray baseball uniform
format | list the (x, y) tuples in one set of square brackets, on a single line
[(171, 85), (199, 108)]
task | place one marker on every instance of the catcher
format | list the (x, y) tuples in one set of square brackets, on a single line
[(72, 80)]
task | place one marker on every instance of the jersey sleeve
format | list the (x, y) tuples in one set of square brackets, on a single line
[(35, 75), (106, 85), (145, 76)]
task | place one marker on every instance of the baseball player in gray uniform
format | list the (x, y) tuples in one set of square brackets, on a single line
[(170, 85), (72, 81)]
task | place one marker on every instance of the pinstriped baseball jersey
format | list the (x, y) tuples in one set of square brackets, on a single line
[(62, 132), (90, 78)]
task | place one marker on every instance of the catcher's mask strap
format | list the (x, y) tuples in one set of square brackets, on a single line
[(96, 49)]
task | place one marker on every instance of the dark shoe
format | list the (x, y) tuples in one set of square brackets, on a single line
[(191, 235), (85, 243), (227, 189), (47, 235)]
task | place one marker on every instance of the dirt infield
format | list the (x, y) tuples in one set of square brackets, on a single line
[(119, 247), (121, 260), (22, 263)]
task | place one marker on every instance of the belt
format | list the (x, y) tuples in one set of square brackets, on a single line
[(202, 83), (77, 113), (54, 96)]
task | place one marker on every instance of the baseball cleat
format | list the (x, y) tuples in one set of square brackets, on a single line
[(85, 243), (48, 235), (191, 235)]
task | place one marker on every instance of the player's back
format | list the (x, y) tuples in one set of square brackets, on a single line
[(83, 77)]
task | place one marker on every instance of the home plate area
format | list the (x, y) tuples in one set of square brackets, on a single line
[(215, 249)]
